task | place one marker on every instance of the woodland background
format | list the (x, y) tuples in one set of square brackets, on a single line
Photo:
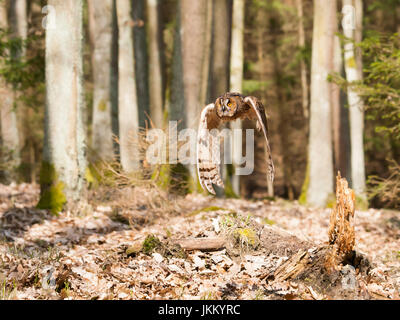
[(83, 215), (175, 73)]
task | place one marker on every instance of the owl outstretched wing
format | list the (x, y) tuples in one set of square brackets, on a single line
[(257, 112), (208, 168)]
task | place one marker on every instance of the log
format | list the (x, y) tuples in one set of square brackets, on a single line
[(202, 244)]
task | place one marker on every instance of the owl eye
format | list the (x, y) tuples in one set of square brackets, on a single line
[(229, 104)]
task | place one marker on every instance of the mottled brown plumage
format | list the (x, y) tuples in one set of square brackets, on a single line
[(228, 107)]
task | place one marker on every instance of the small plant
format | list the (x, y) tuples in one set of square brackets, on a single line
[(209, 295), (6, 293), (150, 244), (241, 230)]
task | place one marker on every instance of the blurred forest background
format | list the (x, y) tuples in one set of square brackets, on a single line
[(327, 71)]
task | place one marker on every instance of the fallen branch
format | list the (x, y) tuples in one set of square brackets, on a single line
[(202, 244)]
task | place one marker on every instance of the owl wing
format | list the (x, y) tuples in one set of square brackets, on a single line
[(208, 159), (257, 112)]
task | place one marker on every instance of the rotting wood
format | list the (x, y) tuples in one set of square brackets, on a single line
[(341, 227), (338, 250)]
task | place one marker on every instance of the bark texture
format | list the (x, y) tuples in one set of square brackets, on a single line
[(101, 32), (155, 72), (63, 169), (236, 77), (128, 106), (356, 107), (8, 114), (320, 161)]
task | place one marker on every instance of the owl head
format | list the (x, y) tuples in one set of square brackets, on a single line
[(226, 106)]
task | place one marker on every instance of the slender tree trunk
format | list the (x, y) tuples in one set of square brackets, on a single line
[(141, 60), (340, 120), (63, 168), (176, 108), (219, 65), (356, 107), (8, 113), (303, 67), (19, 27), (101, 32), (398, 18), (358, 4), (128, 106), (155, 72), (19, 21), (236, 76), (320, 161), (219, 83)]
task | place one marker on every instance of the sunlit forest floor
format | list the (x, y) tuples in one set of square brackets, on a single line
[(91, 255)]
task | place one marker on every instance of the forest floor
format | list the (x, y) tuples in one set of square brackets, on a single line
[(95, 254)]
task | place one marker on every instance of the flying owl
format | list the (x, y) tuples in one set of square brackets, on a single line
[(228, 107)]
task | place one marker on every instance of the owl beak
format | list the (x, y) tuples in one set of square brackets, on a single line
[(223, 108)]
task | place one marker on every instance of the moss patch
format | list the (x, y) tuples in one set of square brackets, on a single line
[(102, 106), (52, 191), (351, 62), (92, 176), (150, 244), (304, 188), (53, 198)]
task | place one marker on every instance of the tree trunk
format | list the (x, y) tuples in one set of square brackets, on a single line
[(340, 119), (195, 30), (19, 28), (155, 72), (19, 21), (320, 161), (195, 25), (141, 61), (356, 107), (176, 107), (101, 32), (128, 105), (219, 65), (63, 168), (8, 115), (303, 67), (219, 73), (236, 77)]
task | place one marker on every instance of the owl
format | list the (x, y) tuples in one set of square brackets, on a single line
[(228, 107)]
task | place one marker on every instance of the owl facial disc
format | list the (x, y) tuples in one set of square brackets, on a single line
[(226, 107)]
